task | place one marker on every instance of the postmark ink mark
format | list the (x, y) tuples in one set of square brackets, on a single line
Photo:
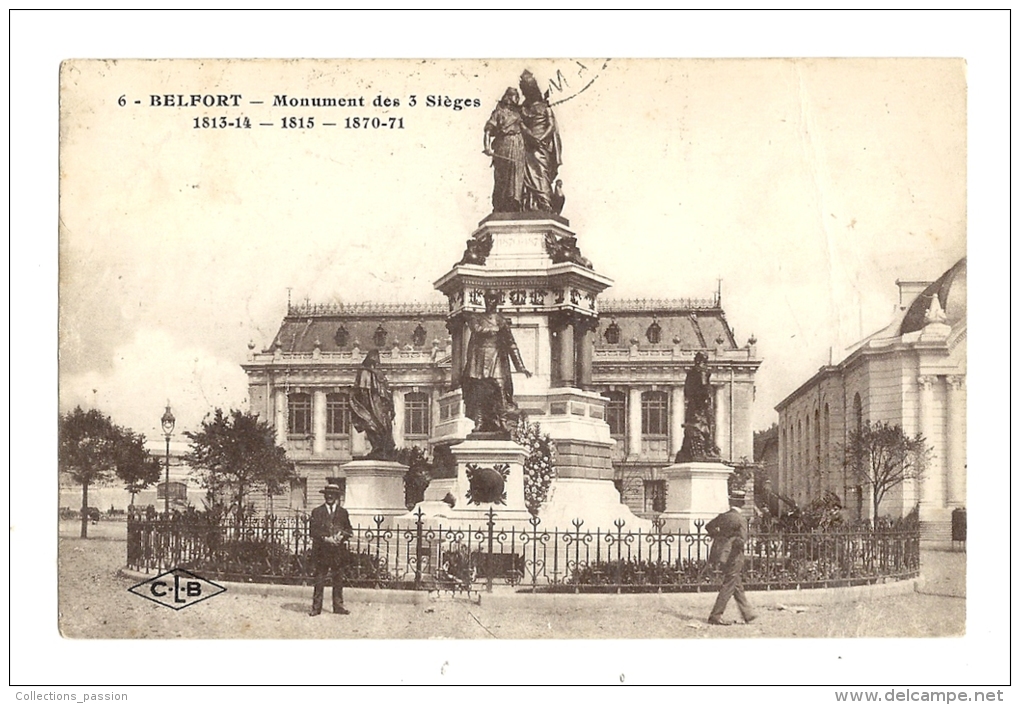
[(177, 589), (572, 80)]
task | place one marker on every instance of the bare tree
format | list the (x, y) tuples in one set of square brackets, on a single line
[(882, 456)]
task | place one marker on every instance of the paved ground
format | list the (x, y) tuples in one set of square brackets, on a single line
[(94, 602)]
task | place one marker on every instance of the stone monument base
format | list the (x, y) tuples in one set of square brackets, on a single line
[(594, 502), (695, 491), (373, 488), (457, 502)]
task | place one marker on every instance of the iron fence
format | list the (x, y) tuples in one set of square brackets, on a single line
[(419, 555)]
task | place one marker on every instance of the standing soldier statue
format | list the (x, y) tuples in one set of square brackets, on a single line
[(486, 379)]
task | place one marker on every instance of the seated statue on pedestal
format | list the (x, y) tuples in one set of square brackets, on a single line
[(699, 438), (372, 408)]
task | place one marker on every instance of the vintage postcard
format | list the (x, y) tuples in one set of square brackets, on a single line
[(577, 348)]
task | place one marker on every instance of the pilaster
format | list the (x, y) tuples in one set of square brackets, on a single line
[(319, 422), (956, 429), (633, 423), (676, 419)]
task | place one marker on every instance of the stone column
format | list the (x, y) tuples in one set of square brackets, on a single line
[(566, 349), (455, 326), (319, 421), (931, 483), (722, 435), (433, 410), (676, 419), (398, 417), (281, 418), (956, 429), (585, 349), (634, 423)]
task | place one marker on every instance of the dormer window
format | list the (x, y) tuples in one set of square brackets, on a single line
[(342, 337), (379, 337), (612, 334), (418, 336), (654, 333)]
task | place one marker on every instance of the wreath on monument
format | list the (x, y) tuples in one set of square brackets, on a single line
[(487, 485), (539, 465)]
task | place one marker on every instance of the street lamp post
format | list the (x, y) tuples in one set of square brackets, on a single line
[(167, 422)]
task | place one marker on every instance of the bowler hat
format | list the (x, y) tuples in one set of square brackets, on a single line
[(331, 487)]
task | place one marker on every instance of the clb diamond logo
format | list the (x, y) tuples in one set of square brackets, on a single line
[(177, 589)]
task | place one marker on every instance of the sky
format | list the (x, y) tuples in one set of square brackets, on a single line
[(807, 195), (808, 187)]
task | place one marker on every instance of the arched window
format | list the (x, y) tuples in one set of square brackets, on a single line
[(616, 413), (418, 336), (858, 413), (784, 462), (800, 449), (338, 414), (299, 413), (654, 413), (379, 337), (341, 337), (416, 414), (612, 334), (818, 443), (654, 333), (826, 439)]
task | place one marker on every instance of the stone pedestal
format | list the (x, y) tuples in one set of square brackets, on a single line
[(695, 491), (596, 503), (373, 487), (477, 457)]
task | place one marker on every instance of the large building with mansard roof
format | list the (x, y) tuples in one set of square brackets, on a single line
[(912, 373), (640, 354)]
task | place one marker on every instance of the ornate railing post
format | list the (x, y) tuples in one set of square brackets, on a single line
[(488, 556), (417, 548), (618, 523)]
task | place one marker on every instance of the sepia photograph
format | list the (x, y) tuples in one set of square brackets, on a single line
[(649, 353)]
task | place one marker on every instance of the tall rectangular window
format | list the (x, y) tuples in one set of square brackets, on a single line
[(338, 414), (416, 414), (655, 495), (299, 414), (654, 414), (616, 413)]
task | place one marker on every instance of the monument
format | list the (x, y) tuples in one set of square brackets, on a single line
[(696, 484), (523, 306), (374, 485)]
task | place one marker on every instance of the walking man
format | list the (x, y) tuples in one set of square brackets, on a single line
[(729, 534), (330, 528)]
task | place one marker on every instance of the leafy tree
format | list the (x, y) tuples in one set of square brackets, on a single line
[(236, 452), (87, 441), (135, 466), (882, 456)]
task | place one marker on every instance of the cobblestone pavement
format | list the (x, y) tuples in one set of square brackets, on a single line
[(94, 603)]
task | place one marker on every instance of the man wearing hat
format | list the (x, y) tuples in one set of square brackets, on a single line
[(729, 534), (330, 528)]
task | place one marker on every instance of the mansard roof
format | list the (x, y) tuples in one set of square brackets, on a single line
[(340, 327), (697, 324)]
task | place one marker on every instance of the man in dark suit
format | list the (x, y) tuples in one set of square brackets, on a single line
[(729, 534), (330, 527)]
